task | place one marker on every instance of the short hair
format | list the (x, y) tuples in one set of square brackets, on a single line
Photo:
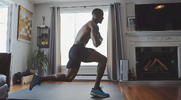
[(96, 11)]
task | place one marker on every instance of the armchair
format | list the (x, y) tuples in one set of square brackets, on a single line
[(5, 60)]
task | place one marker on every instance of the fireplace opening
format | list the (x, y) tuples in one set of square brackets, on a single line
[(156, 63)]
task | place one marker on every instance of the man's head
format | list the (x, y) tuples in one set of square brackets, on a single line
[(97, 15)]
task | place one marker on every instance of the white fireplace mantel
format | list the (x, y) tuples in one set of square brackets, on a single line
[(152, 39), (153, 33)]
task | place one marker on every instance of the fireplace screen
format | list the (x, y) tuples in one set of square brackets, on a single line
[(156, 63)]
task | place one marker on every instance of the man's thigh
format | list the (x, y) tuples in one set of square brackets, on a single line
[(96, 57), (85, 54)]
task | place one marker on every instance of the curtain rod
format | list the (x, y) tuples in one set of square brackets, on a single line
[(83, 6)]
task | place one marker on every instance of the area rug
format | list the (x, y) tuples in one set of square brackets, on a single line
[(64, 92)]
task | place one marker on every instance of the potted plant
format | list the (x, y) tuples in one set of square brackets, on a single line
[(38, 61)]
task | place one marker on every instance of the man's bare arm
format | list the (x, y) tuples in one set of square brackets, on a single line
[(95, 35), (99, 36)]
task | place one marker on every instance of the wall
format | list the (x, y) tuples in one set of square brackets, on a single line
[(20, 50), (44, 10), (127, 9), (130, 11), (131, 43)]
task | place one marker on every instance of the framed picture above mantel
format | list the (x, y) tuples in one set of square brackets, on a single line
[(131, 23)]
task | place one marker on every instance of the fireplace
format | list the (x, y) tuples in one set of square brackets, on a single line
[(154, 55), (156, 63)]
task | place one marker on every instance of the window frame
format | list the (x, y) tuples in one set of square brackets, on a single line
[(9, 22), (70, 10)]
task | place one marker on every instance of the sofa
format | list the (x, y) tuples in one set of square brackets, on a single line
[(5, 60)]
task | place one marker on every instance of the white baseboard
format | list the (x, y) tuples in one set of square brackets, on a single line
[(92, 78), (85, 70), (87, 73)]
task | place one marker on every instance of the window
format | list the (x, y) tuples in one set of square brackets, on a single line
[(71, 24), (3, 27)]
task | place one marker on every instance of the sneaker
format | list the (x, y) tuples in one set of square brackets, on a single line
[(34, 81), (99, 93)]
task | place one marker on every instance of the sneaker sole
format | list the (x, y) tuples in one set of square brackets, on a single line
[(34, 77), (97, 95)]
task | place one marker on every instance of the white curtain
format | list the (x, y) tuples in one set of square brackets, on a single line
[(115, 42), (54, 50)]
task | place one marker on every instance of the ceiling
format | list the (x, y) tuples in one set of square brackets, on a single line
[(51, 1), (45, 1)]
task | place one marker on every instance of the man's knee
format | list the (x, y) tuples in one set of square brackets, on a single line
[(103, 60), (59, 75), (69, 80)]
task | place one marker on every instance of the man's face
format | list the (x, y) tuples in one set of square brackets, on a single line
[(100, 17)]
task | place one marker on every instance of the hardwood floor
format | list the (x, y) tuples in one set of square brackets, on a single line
[(128, 91), (152, 92)]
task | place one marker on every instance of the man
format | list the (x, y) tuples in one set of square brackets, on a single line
[(79, 53)]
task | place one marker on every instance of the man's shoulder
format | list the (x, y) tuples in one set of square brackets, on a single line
[(92, 24)]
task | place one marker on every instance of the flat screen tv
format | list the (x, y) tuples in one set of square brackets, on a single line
[(158, 17)]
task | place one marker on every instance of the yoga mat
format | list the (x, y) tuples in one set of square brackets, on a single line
[(64, 92)]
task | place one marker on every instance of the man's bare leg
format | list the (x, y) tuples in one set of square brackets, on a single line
[(102, 60), (72, 72), (37, 79)]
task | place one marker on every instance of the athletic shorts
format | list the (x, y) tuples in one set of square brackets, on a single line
[(78, 53)]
